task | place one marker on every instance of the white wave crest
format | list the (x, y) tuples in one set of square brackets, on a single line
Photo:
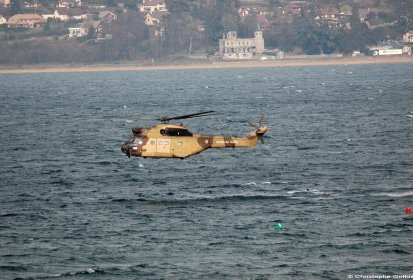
[(395, 194)]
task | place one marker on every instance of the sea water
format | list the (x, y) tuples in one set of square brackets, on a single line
[(335, 170)]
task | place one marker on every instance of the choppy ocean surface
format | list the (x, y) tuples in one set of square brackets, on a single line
[(336, 170)]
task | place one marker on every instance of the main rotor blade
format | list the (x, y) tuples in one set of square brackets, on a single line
[(195, 115), (252, 124), (261, 119)]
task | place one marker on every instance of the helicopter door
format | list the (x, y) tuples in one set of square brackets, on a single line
[(163, 146)]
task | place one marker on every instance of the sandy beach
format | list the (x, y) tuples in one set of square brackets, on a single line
[(210, 65)]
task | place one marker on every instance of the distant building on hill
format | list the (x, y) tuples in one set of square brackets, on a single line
[(293, 8), (155, 13), (386, 50), (155, 18), (408, 37), (5, 3), (328, 14), (70, 13), (365, 13), (150, 6), (82, 29), (250, 10), (108, 16), (232, 47), (69, 3), (3, 20), (26, 21)]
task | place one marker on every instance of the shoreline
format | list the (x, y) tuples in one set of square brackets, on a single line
[(207, 65)]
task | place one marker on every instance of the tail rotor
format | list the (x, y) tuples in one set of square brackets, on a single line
[(260, 130)]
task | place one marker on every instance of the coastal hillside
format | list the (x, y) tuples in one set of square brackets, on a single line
[(91, 31)]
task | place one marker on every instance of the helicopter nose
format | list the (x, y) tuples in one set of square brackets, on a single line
[(125, 148)]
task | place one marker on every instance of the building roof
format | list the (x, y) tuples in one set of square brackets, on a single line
[(16, 19), (364, 12), (252, 10), (91, 24), (70, 11), (76, 26), (255, 8), (292, 11), (328, 11), (153, 2), (86, 25), (296, 4), (105, 14), (66, 1)]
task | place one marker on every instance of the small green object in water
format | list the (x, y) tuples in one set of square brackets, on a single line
[(278, 226)]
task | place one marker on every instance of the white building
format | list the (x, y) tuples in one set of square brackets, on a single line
[(150, 6), (407, 50), (69, 3), (3, 20), (77, 31), (82, 29), (408, 37), (232, 47), (385, 50)]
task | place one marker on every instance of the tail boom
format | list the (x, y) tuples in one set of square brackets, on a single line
[(250, 140)]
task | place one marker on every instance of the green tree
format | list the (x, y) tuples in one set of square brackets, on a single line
[(91, 33), (178, 7), (130, 35), (281, 35), (248, 26), (220, 16), (357, 38), (15, 7), (111, 3), (131, 4), (180, 33), (403, 8)]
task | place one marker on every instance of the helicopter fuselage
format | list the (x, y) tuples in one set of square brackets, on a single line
[(175, 141)]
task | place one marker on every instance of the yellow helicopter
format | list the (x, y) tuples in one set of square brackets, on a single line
[(166, 140)]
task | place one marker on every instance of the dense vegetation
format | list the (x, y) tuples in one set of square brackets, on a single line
[(133, 40)]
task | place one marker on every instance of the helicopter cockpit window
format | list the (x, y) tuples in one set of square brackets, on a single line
[(137, 141), (177, 132)]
